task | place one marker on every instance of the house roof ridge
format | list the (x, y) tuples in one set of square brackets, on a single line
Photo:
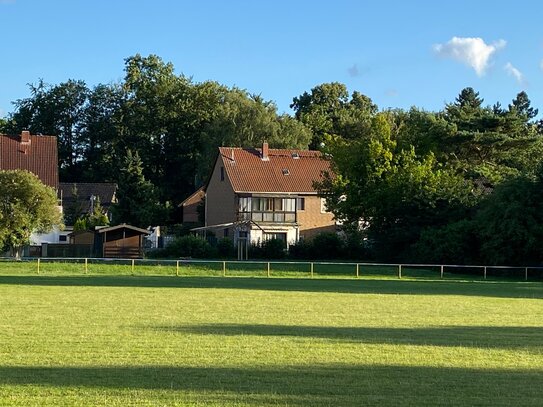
[(284, 170)]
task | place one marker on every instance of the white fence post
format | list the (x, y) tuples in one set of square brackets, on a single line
[(399, 271)]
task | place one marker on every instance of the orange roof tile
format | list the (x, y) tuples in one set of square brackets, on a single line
[(285, 171), (38, 155)]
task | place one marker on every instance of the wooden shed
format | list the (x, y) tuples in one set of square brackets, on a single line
[(121, 241)]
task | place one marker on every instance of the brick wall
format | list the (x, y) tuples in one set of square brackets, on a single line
[(220, 197), (312, 220)]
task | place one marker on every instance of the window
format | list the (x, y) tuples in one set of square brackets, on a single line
[(282, 236), (324, 209), (289, 204), (225, 232), (222, 173), (285, 171), (244, 204), (300, 204), (264, 209), (62, 238)]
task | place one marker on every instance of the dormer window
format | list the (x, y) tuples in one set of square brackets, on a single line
[(295, 155), (285, 171)]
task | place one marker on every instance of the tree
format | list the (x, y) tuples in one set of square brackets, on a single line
[(327, 110), (138, 203), (510, 223), (95, 217), (26, 206), (3, 125), (74, 209), (56, 110), (397, 191)]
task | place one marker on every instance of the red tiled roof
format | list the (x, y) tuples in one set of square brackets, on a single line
[(39, 155), (291, 171)]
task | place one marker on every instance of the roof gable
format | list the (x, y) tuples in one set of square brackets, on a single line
[(280, 171), (37, 154), (105, 191)]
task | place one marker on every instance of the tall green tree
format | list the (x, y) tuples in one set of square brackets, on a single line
[(138, 202), (56, 110), (26, 206), (396, 192), (102, 130), (327, 110)]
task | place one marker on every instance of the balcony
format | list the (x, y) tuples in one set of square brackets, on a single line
[(268, 217)]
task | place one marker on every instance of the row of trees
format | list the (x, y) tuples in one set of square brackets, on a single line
[(446, 186), (414, 185), (160, 127)]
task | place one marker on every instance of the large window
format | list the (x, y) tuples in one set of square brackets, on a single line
[(264, 209)]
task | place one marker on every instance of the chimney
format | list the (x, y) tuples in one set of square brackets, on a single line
[(265, 151), (25, 136)]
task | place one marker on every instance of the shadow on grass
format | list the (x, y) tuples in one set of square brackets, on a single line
[(455, 336), (304, 385), (361, 286)]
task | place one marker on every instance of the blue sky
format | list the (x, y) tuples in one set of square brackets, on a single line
[(399, 53)]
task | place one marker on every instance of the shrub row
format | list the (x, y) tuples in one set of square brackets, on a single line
[(329, 246)]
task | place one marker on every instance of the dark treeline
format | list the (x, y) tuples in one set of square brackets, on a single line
[(459, 185)]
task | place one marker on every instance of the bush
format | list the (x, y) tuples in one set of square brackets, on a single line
[(226, 249), (455, 243), (301, 250), (187, 246), (268, 249), (327, 246)]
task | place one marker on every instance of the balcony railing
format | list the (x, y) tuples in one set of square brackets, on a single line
[(270, 217)]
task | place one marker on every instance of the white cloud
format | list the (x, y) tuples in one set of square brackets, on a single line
[(473, 52), (514, 72)]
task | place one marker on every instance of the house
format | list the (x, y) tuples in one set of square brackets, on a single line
[(254, 195), (79, 198), (37, 154), (189, 207)]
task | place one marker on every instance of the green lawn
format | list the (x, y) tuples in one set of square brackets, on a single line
[(104, 339)]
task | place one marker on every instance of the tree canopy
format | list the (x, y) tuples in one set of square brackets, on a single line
[(26, 206)]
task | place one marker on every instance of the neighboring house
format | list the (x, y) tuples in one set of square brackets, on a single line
[(87, 194), (189, 206), (37, 154), (254, 195)]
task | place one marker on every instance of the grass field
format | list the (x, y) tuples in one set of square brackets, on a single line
[(111, 338)]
